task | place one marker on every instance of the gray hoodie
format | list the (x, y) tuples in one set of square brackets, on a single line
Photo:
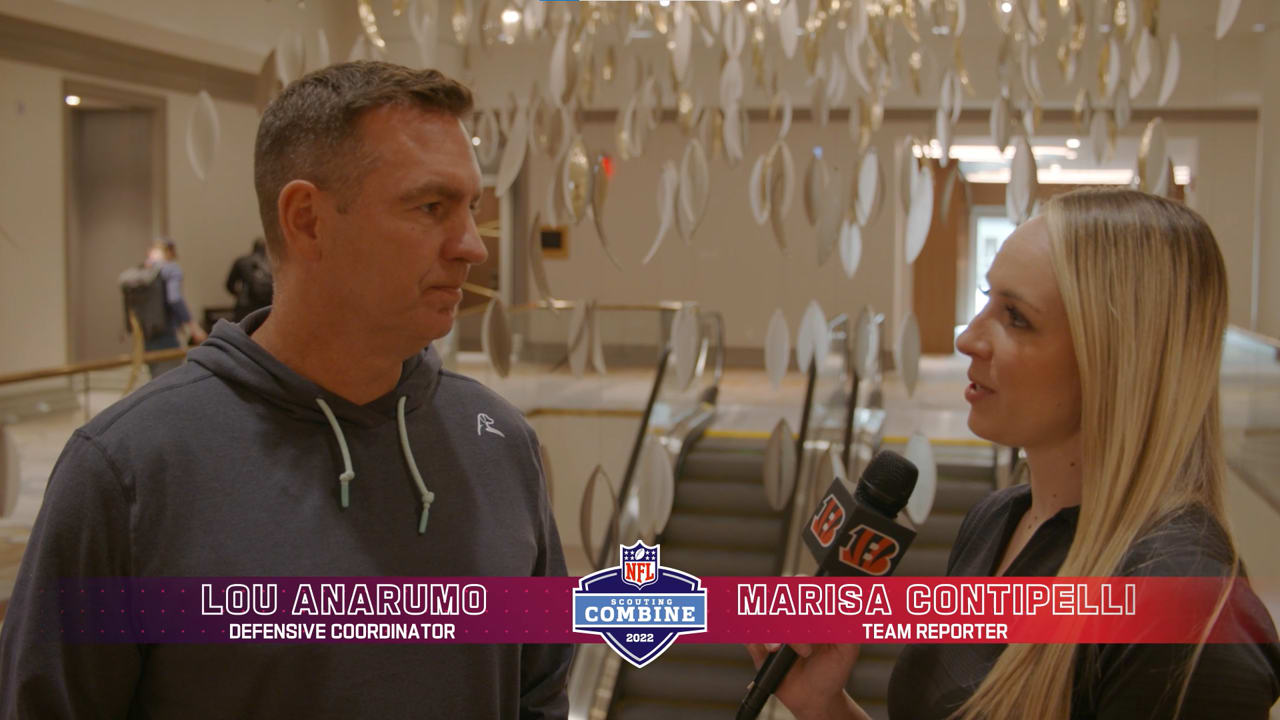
[(231, 466)]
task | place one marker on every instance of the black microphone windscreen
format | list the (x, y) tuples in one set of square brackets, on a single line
[(887, 483)]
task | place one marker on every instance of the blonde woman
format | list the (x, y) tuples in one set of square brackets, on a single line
[(1098, 353)]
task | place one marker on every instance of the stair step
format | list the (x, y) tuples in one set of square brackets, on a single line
[(719, 465), (722, 498), (940, 528), (709, 562), (746, 532), (957, 495), (707, 652), (670, 679), (635, 709)]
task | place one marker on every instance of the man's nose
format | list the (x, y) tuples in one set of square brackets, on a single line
[(470, 247)]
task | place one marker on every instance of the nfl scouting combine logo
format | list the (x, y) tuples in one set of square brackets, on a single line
[(639, 607)]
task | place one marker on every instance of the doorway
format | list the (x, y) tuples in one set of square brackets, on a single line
[(115, 180)]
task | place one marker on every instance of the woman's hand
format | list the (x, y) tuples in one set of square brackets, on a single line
[(814, 688)]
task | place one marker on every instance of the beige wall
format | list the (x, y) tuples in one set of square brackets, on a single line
[(32, 256), (212, 220)]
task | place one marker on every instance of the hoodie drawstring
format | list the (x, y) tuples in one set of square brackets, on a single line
[(349, 474), (427, 496)]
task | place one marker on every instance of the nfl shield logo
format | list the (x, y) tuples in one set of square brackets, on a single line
[(639, 565), (638, 606)]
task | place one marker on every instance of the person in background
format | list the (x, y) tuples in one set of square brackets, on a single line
[(164, 256), (1098, 354), (250, 280)]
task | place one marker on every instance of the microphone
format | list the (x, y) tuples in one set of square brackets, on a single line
[(849, 537)]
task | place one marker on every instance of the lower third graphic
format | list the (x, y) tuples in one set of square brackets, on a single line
[(639, 607)]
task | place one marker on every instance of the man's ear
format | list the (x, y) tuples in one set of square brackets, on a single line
[(298, 207)]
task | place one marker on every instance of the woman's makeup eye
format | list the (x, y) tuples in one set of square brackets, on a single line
[(1016, 318)]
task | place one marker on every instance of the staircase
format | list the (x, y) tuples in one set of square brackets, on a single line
[(960, 487), (720, 525)]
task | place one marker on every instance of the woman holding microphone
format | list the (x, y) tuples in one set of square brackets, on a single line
[(1098, 354)]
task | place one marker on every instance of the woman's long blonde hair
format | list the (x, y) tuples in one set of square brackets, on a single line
[(1145, 291)]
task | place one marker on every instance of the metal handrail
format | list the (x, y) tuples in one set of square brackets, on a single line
[(634, 459)]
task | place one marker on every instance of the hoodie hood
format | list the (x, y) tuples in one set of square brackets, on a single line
[(234, 356)]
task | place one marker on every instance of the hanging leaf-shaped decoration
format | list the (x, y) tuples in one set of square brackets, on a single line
[(695, 185), (534, 16), (576, 174), (850, 247), (599, 509), (579, 339), (495, 337), (683, 39), (817, 185), (866, 343), (920, 212), (1082, 110), (731, 85), (1101, 130), (369, 23), (658, 484), (684, 345), (1123, 110), (906, 352), (1000, 124), (668, 183), (204, 133), (600, 191), (734, 130), (758, 192), (320, 58), (781, 103), (789, 28), (920, 452), (1020, 193), (777, 348), (564, 69), (1172, 67), (1152, 156), (1227, 10), (514, 152), (1144, 61), (943, 131), (779, 474), (869, 195), (830, 212), (290, 56), (460, 21), (1110, 67), (596, 337), (811, 338), (777, 181), (487, 132)]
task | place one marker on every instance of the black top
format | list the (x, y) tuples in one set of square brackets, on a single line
[(1113, 681)]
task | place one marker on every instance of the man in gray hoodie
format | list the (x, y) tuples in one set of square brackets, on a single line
[(316, 438)]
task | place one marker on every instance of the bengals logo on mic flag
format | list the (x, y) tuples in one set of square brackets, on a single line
[(870, 551), (826, 523)]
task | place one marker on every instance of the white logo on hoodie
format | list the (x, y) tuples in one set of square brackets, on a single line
[(484, 423)]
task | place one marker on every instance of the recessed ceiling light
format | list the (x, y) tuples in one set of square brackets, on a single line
[(72, 100), (1006, 7), (475, 140), (1260, 27), (1073, 143)]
